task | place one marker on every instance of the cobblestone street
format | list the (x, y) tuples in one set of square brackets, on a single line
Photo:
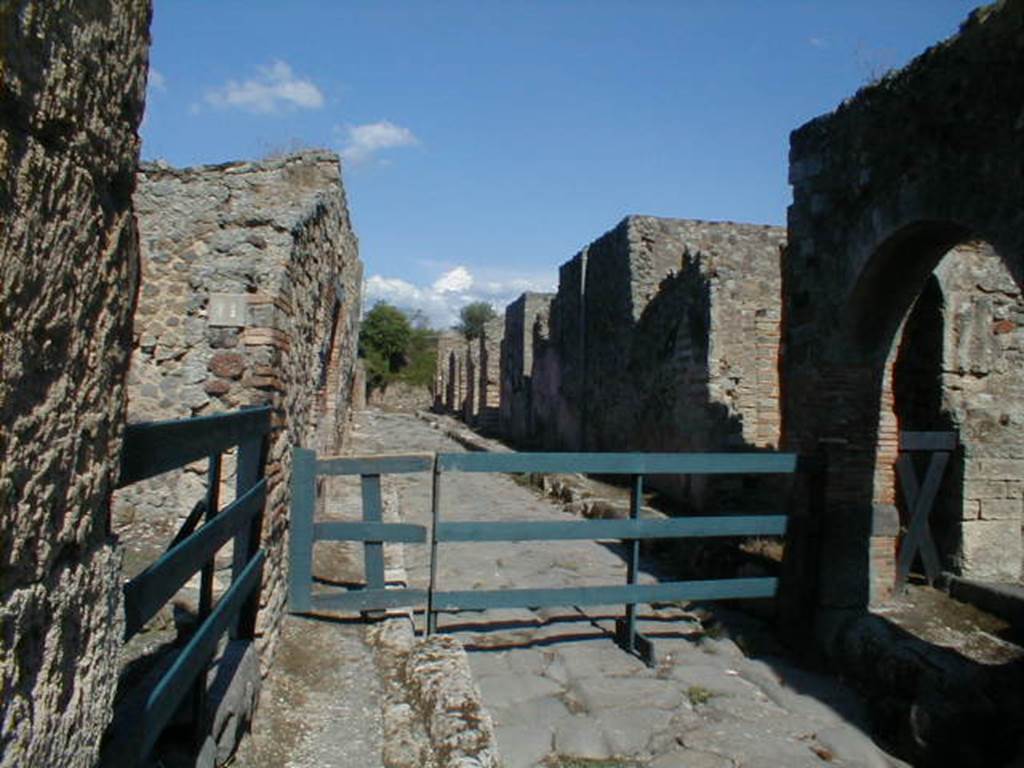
[(556, 684)]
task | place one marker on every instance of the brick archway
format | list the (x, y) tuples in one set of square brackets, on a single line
[(882, 188)]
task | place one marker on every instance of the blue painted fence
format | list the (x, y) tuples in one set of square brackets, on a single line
[(306, 532), (151, 449)]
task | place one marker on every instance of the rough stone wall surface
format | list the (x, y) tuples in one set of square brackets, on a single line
[(453, 390), (665, 337), (275, 238), (516, 372), (72, 83), (469, 384), (401, 396), (702, 351), (976, 380), (692, 308), (447, 343), (489, 402), (983, 391), (557, 378), (927, 158), (359, 386)]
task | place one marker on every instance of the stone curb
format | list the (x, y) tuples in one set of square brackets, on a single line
[(433, 714)]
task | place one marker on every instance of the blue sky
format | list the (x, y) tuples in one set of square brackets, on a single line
[(485, 142)]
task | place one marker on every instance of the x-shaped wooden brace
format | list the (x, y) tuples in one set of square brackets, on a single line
[(920, 500)]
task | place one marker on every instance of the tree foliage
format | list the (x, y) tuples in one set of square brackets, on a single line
[(473, 317), (394, 350)]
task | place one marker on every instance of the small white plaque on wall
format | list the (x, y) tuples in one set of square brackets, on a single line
[(228, 309)]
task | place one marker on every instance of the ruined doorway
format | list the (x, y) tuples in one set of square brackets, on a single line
[(918, 405), (956, 364)]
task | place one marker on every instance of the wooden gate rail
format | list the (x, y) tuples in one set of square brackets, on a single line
[(372, 531), (153, 448), (306, 532), (631, 531)]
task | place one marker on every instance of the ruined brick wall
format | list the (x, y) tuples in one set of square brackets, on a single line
[(924, 160), (665, 337), (443, 387), (701, 341), (489, 377), (453, 389), (557, 379), (469, 384), (71, 90), (692, 309), (516, 373), (274, 240)]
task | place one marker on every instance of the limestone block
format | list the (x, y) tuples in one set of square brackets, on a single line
[(992, 549), (1001, 509)]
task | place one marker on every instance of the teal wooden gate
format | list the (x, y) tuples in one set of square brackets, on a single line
[(153, 448), (306, 532)]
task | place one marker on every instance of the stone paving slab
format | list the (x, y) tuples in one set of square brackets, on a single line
[(556, 683), (321, 705)]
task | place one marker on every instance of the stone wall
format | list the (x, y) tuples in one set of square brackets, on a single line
[(664, 336), (926, 159), (682, 329), (956, 365), (517, 349), (443, 388), (71, 100), (250, 295), (489, 375), (557, 378), (401, 397), (454, 387), (470, 382)]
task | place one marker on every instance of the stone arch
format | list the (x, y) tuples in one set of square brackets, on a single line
[(924, 160), (953, 365), (857, 366)]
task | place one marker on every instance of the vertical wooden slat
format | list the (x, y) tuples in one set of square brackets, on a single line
[(206, 590), (633, 560), (373, 551), (435, 515), (252, 459), (300, 539)]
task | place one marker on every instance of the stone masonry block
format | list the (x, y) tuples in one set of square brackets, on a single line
[(992, 549)]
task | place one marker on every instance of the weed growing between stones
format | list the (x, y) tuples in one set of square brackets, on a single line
[(560, 761), (698, 694)]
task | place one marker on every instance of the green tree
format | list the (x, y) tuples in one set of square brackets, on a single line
[(473, 317), (383, 342)]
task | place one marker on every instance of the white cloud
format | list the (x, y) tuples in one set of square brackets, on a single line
[(156, 80), (363, 141), (817, 42), (275, 89), (456, 280), (442, 299)]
